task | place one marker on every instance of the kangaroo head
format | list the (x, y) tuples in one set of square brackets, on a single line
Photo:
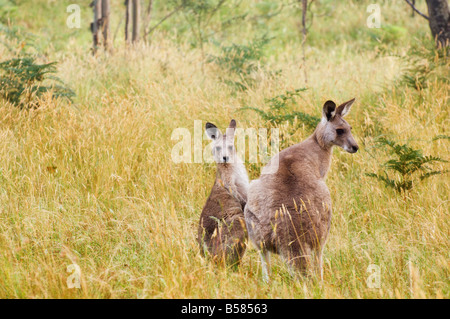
[(223, 148), (334, 130)]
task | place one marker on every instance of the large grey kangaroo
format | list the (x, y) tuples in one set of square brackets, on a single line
[(289, 212), (222, 233)]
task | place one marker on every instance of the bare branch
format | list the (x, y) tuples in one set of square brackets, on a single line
[(117, 28), (415, 9), (305, 32), (147, 18), (163, 19)]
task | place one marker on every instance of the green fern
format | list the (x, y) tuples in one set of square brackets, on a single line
[(406, 165), (279, 110), (22, 81), (425, 63), (441, 137)]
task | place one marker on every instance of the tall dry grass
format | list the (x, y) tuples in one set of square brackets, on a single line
[(93, 183)]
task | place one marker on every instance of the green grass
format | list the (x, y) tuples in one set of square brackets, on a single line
[(93, 182)]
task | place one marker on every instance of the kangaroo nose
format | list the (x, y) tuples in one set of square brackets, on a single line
[(225, 159), (355, 148)]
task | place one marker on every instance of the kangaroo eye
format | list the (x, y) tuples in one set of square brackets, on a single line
[(340, 131), (230, 148), (218, 148)]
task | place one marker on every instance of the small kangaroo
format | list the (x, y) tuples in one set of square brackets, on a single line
[(289, 212), (222, 231)]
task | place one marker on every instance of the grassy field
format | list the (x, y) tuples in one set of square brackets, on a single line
[(92, 182)]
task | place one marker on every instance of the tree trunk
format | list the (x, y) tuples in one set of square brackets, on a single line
[(439, 20), (304, 33), (97, 5), (147, 19), (127, 20), (136, 15), (105, 23)]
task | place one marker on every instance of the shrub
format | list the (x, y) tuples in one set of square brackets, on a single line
[(409, 165), (279, 110), (22, 82), (241, 62), (425, 63)]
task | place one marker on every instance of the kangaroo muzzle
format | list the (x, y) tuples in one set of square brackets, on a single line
[(351, 146)]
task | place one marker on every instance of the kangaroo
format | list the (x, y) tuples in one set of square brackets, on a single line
[(289, 212), (222, 231)]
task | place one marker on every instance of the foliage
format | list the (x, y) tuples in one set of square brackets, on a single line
[(198, 14), (8, 8), (94, 185), (406, 164), (425, 63), (441, 137), (22, 82), (16, 41), (279, 110), (387, 34), (241, 61)]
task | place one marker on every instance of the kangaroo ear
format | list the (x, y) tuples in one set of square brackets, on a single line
[(231, 128), (345, 107), (329, 110), (212, 131)]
